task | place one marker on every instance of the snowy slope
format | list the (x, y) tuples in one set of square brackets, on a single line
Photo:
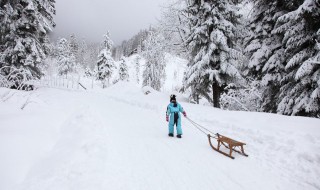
[(117, 139)]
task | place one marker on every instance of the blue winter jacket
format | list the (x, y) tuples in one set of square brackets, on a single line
[(170, 112)]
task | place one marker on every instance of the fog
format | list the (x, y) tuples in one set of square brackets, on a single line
[(90, 19)]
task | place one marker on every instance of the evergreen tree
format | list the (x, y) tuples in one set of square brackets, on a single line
[(212, 42), (265, 49), (268, 50), (300, 86), (23, 36), (137, 66), (123, 70), (74, 47), (105, 62), (66, 59), (154, 73), (82, 53), (282, 50)]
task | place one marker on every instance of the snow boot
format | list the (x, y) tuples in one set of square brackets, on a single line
[(179, 136), (170, 135)]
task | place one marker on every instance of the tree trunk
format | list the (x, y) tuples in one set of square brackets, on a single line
[(216, 91)]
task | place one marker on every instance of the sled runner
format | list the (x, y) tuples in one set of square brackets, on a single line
[(228, 143)]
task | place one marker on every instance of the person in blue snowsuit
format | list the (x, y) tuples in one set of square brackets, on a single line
[(173, 111)]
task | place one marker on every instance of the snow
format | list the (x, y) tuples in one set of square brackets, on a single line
[(116, 138), (175, 68)]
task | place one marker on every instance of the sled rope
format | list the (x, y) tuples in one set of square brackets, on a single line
[(201, 128)]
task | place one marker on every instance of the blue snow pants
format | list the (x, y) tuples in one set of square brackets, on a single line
[(174, 117)]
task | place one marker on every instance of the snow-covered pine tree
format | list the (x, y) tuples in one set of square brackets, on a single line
[(264, 48), (65, 58), (137, 66), (82, 53), (123, 70), (105, 62), (212, 43), (154, 72), (74, 46), (300, 86), (49, 47), (23, 36)]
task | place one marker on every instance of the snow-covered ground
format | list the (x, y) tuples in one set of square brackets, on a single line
[(117, 139)]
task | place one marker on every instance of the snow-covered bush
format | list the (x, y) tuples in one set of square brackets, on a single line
[(246, 98), (16, 78)]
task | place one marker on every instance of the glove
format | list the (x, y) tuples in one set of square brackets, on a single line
[(167, 118), (184, 114)]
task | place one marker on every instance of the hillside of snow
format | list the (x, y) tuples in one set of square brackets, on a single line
[(117, 138)]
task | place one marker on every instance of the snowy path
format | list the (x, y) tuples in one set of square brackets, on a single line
[(117, 139)]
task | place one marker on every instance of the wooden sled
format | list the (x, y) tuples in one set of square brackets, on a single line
[(231, 145)]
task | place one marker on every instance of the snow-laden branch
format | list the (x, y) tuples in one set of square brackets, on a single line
[(11, 76), (315, 62), (237, 101)]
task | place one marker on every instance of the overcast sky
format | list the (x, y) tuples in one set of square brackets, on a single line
[(90, 19)]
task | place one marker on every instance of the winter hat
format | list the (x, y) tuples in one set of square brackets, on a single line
[(172, 97)]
